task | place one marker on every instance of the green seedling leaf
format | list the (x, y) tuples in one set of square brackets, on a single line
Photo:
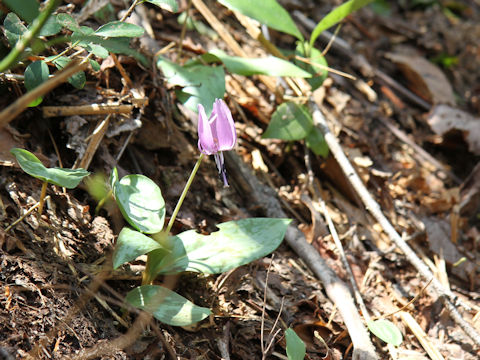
[(268, 12), (296, 348), (77, 80), (169, 5), (14, 28), (201, 84), (68, 178), (316, 142), (289, 122), (141, 203), (35, 74), (120, 29), (28, 10), (130, 245), (95, 65), (68, 22), (236, 243), (51, 27), (386, 331), (335, 16), (166, 305), (272, 66), (316, 66)]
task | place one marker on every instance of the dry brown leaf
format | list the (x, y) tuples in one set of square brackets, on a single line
[(425, 78), (438, 232), (443, 119)]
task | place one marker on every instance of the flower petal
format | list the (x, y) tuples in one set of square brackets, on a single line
[(206, 143), (224, 126)]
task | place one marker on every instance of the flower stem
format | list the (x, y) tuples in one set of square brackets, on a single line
[(43, 192), (184, 193)]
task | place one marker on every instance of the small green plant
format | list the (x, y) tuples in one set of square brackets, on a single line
[(296, 349), (385, 330), (67, 178), (143, 207), (30, 31)]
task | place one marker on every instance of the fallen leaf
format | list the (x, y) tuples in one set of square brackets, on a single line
[(443, 119), (425, 78)]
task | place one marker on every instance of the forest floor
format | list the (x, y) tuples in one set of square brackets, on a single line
[(59, 297)]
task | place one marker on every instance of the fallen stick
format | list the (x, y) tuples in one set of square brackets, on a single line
[(90, 109), (337, 291), (372, 206)]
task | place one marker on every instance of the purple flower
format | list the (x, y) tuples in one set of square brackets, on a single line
[(216, 134)]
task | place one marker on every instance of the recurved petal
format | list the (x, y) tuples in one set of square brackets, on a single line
[(206, 143), (224, 125)]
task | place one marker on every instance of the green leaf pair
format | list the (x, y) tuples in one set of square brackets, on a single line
[(235, 243), (292, 122)]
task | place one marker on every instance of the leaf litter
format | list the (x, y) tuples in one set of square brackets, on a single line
[(47, 263)]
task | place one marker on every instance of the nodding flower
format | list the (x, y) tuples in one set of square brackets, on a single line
[(216, 134)]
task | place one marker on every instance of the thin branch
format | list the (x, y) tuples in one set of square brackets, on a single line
[(374, 208)]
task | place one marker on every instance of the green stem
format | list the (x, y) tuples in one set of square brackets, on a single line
[(28, 37), (184, 193), (102, 201), (42, 197)]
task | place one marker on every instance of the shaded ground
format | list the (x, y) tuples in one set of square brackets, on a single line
[(57, 300)]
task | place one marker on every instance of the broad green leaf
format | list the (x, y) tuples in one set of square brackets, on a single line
[(166, 305), (289, 122), (77, 80), (314, 56), (130, 245), (296, 348), (236, 243), (335, 16), (51, 27), (169, 5), (316, 142), (268, 12), (35, 74), (68, 178), (271, 65), (141, 203), (68, 21), (14, 28), (201, 84), (119, 29), (386, 331), (28, 10)]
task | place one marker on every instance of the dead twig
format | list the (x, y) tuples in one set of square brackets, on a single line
[(265, 197), (374, 208)]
